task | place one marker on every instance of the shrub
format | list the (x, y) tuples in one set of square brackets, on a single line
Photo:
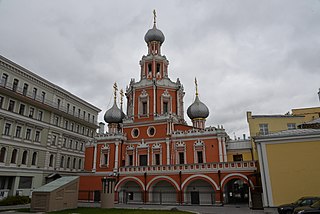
[(14, 200)]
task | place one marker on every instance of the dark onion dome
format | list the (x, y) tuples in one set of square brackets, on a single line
[(154, 34), (114, 115), (197, 110)]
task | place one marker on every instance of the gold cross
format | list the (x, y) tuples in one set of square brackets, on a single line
[(115, 87), (196, 83), (121, 96)]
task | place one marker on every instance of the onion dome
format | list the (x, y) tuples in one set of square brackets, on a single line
[(114, 114), (197, 110), (154, 34)]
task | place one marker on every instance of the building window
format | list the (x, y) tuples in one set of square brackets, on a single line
[(4, 80), (37, 136), (7, 128), (81, 146), (40, 114), (68, 107), (73, 110), (74, 163), (143, 160), (76, 145), (24, 158), (34, 159), (51, 161), (58, 103), (25, 89), (56, 121), (105, 159), (89, 117), (93, 118), (149, 68), (165, 107), (144, 108), (151, 131), (31, 112), (79, 112), (84, 115), (43, 96), (11, 106), (66, 124), (157, 159), (34, 93), (25, 182), (18, 132), (62, 162), (70, 144), (264, 130), (200, 156), (158, 68), (78, 128), (28, 134), (54, 140), (135, 133), (68, 162), (3, 152), (80, 164), (130, 160), (1, 101), (291, 126), (237, 157), (181, 157), (21, 109), (14, 156), (15, 85), (64, 142)]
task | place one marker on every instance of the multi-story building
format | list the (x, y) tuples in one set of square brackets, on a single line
[(43, 130), (268, 124), (155, 156)]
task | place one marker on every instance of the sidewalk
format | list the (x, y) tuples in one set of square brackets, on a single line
[(227, 209)]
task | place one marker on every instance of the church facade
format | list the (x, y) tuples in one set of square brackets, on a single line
[(152, 152)]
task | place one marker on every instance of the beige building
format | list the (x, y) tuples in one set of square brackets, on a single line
[(43, 130)]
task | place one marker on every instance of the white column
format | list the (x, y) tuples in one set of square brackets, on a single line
[(220, 150), (224, 149), (168, 151), (116, 157), (94, 158)]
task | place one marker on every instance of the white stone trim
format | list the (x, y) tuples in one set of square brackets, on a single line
[(239, 175), (130, 178), (200, 176), (163, 177)]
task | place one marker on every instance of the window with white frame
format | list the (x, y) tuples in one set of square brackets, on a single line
[(166, 102), (14, 155), (180, 149), (34, 159), (7, 129), (28, 134), (105, 155), (291, 126), (199, 152), (3, 153), (263, 129), (18, 132), (144, 103)]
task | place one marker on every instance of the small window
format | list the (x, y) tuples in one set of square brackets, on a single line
[(54, 140), (181, 157), (28, 134), (31, 112), (135, 133), (37, 136), (149, 68), (68, 107), (151, 131), (158, 68), (40, 114), (3, 152), (105, 159), (144, 108), (14, 156), (74, 163), (11, 105), (7, 128), (157, 159), (18, 132), (1, 101), (34, 93), (58, 103), (80, 164), (21, 109), (34, 159), (43, 96), (25, 89), (25, 182), (62, 162), (4, 80), (51, 161), (165, 108), (73, 110), (291, 126), (68, 162), (200, 156), (130, 160), (143, 160), (237, 157), (15, 85), (56, 121), (24, 158), (264, 130)]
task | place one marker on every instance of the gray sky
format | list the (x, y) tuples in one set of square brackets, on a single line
[(259, 56)]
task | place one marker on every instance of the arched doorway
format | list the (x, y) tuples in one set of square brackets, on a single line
[(236, 191), (163, 192), (199, 192), (130, 192)]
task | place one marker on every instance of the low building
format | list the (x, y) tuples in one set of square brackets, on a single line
[(43, 130)]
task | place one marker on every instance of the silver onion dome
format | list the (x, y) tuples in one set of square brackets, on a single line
[(197, 110), (154, 34), (114, 115)]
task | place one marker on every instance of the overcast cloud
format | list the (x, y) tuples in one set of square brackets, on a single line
[(259, 56)]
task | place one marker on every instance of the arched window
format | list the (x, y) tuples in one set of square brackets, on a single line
[(144, 104), (3, 154), (62, 162), (24, 158), (14, 156), (34, 159), (80, 164), (74, 163), (68, 162), (51, 161)]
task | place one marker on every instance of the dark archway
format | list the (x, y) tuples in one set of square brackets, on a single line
[(163, 192), (199, 191), (236, 191), (130, 192)]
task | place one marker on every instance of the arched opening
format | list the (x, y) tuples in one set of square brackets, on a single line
[(163, 192), (199, 192), (130, 192), (236, 191)]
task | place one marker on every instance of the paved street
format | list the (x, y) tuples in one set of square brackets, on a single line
[(228, 209)]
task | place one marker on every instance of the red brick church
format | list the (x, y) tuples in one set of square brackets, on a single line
[(152, 152)]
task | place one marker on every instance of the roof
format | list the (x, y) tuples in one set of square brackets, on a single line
[(290, 133), (313, 121), (276, 115), (56, 184)]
